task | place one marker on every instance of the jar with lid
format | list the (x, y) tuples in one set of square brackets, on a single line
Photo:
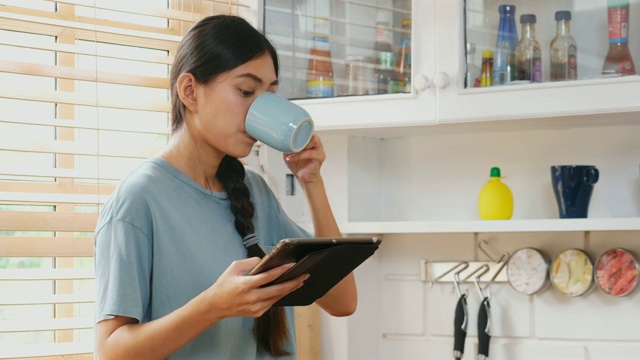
[(360, 77)]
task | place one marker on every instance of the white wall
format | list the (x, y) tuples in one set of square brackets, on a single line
[(437, 176)]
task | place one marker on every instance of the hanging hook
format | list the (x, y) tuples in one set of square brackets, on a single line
[(462, 264), (483, 241), (503, 262), (456, 276), (477, 282)]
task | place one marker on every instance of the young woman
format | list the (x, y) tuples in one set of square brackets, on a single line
[(170, 242)]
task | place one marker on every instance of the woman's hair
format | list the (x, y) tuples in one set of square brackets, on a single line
[(215, 45)]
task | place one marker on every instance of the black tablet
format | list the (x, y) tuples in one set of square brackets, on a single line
[(326, 260)]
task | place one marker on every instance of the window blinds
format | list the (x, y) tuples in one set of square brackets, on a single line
[(83, 100)]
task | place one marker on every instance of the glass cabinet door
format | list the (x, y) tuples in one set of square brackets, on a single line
[(368, 58), (341, 48), (540, 59), (559, 40)]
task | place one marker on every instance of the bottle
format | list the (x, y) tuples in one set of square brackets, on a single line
[(496, 200), (564, 50), (528, 52), (320, 67), (403, 62), (504, 61), (486, 74), (618, 60), (387, 76), (384, 37), (472, 79)]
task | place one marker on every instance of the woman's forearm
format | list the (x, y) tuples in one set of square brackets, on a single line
[(342, 299), (157, 339)]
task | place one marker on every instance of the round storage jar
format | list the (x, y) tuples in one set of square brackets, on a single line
[(616, 272), (527, 271), (571, 272)]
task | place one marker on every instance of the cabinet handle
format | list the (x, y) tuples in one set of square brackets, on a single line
[(420, 83), (441, 80)]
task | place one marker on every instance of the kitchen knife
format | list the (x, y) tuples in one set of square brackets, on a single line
[(460, 327), (484, 325)]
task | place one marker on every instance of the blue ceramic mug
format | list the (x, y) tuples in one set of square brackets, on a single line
[(573, 186), (279, 123)]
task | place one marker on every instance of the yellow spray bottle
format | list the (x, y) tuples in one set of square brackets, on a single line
[(496, 200)]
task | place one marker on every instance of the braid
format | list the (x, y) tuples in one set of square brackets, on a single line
[(270, 329)]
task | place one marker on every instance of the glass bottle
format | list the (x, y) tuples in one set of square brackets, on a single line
[(564, 50), (486, 74), (472, 79), (504, 61), (320, 67), (528, 52), (387, 76), (384, 37), (403, 63), (618, 60)]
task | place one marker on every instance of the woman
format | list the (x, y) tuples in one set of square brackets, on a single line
[(169, 243)]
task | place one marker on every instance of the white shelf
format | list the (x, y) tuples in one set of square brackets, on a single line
[(480, 226)]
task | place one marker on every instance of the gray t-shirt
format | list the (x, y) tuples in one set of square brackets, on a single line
[(162, 239)]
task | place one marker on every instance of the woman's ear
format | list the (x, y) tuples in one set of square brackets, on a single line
[(186, 87)]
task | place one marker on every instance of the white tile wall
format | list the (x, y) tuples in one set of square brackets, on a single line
[(401, 317)]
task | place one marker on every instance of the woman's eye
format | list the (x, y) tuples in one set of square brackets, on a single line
[(246, 93)]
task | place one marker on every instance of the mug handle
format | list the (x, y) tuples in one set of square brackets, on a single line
[(591, 176)]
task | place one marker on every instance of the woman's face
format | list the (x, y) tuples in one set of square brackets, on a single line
[(223, 105)]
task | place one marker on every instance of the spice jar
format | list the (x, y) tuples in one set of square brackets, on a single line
[(616, 272), (527, 271), (572, 272)]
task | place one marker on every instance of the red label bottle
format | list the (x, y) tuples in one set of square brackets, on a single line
[(618, 60)]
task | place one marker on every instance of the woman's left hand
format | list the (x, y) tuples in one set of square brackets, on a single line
[(305, 165)]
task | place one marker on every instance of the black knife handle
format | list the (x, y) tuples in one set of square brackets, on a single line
[(483, 329), (460, 327)]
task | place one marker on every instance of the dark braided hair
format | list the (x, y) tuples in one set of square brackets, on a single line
[(214, 45)]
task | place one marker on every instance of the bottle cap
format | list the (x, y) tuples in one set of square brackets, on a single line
[(507, 9), (495, 172), (563, 15), (487, 54), (406, 22), (527, 19)]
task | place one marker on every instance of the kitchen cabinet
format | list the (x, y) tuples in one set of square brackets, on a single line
[(440, 31), (289, 24)]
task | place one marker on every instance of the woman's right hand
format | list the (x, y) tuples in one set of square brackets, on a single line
[(236, 294)]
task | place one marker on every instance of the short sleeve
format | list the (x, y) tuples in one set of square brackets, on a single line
[(123, 262)]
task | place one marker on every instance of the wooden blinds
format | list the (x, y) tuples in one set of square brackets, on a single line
[(83, 100)]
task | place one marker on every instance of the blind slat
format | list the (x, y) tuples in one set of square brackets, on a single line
[(73, 49), (9, 300), (71, 148), (161, 13), (46, 246), (47, 221), (45, 198), (64, 72), (132, 127), (46, 274), (24, 170), (66, 24), (8, 351), (64, 97), (46, 324)]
